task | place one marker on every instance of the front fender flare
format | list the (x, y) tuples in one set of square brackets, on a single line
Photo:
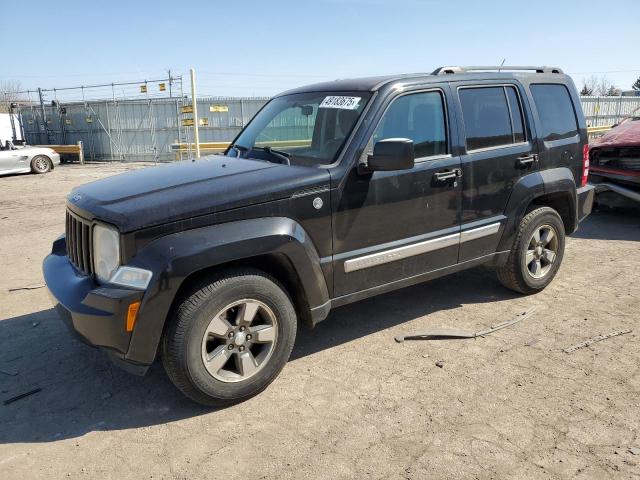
[(175, 257)]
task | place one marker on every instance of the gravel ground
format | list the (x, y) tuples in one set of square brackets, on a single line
[(351, 403)]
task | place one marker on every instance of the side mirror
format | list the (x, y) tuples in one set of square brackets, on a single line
[(391, 154)]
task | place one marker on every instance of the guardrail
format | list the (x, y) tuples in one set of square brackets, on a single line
[(221, 146), (204, 146), (604, 129)]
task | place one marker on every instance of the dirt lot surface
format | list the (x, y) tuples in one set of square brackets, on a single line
[(351, 403)]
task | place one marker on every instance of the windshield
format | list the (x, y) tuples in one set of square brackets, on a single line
[(302, 128)]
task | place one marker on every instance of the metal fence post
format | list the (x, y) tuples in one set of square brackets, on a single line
[(80, 153), (194, 100), (43, 124), (179, 154)]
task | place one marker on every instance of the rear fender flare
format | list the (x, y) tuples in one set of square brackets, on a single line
[(524, 191), (562, 180), (530, 187)]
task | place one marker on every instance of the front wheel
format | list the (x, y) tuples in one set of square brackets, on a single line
[(536, 254), (41, 164), (229, 338)]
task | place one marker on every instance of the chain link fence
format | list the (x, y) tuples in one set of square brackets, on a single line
[(141, 126), (136, 129)]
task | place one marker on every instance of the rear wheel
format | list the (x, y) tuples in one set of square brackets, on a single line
[(230, 337), (41, 164), (536, 254)]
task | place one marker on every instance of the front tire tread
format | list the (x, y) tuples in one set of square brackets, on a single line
[(177, 334)]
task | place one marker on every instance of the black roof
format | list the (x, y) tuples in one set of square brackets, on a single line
[(371, 84), (367, 84)]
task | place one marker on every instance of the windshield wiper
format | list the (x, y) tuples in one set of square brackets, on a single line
[(284, 156)]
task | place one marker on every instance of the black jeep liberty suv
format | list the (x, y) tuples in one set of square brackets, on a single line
[(333, 193)]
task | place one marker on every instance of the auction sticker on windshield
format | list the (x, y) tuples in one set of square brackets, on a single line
[(337, 101)]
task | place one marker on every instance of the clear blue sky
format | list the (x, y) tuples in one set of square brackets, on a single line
[(263, 47)]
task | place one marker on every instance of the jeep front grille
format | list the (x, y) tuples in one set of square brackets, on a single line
[(79, 243)]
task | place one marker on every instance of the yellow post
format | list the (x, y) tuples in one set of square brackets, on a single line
[(196, 137)]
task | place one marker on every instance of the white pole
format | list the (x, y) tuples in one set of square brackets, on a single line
[(196, 136)]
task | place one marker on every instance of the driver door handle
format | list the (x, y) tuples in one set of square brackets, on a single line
[(447, 175), (527, 160)]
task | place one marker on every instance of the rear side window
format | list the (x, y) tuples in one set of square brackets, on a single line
[(555, 110), (492, 116), (420, 117)]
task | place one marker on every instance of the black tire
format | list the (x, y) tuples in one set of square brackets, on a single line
[(516, 274), (41, 164), (183, 338)]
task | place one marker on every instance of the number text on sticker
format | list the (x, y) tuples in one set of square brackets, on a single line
[(336, 101)]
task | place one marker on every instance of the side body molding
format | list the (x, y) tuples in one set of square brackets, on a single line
[(174, 257)]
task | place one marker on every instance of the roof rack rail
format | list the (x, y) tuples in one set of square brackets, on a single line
[(499, 68)]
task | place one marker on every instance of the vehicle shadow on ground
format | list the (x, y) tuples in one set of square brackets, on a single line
[(376, 314), (81, 391)]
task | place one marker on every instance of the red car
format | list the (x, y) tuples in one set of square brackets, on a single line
[(615, 163)]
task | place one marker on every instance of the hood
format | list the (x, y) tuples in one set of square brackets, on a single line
[(157, 195), (627, 134)]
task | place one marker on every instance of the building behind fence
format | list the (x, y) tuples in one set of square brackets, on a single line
[(145, 129)]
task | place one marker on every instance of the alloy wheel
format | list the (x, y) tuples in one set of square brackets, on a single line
[(542, 251), (41, 164), (239, 340)]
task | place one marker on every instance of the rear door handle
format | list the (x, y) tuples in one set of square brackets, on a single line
[(447, 175), (527, 160)]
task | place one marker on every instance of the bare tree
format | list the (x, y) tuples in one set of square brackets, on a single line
[(606, 87), (613, 91), (586, 91), (589, 86), (10, 91), (636, 84)]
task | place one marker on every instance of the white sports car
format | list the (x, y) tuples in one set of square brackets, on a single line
[(28, 159)]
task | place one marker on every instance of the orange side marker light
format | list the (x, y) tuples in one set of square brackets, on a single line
[(132, 315)]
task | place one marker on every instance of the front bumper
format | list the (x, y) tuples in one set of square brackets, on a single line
[(585, 195), (55, 158), (95, 314)]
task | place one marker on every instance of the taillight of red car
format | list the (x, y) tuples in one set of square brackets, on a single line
[(585, 165)]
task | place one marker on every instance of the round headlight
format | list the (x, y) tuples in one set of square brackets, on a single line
[(106, 252)]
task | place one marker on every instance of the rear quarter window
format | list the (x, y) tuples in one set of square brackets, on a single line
[(555, 110)]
